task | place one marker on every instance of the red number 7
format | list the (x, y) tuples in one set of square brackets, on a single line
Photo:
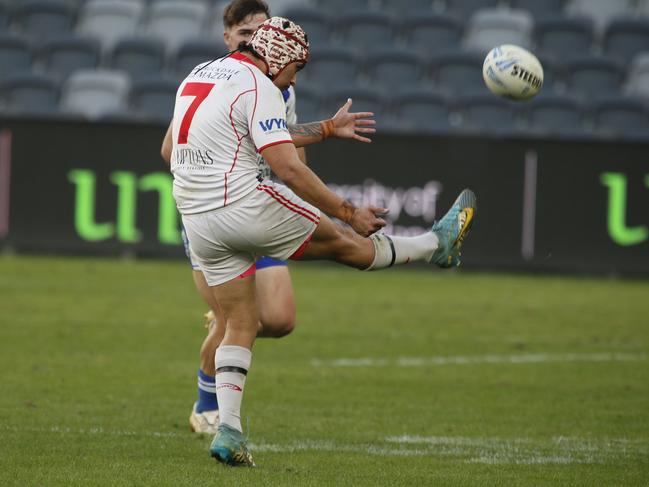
[(200, 92)]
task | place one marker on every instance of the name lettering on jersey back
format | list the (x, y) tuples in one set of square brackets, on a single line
[(272, 124)]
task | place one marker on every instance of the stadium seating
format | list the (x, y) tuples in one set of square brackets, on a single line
[(15, 55), (4, 17), (316, 24), (395, 70), (540, 9), (332, 67), (408, 7), (638, 81), (643, 8), (490, 27), (593, 77), (421, 112), (308, 104), (337, 6), (366, 30), (43, 19), (192, 53), (486, 113), (620, 117), (140, 58), (601, 11), (624, 38), (109, 21), (430, 32), (555, 115), (30, 94), (61, 57), (153, 99), (94, 93), (458, 71), (465, 8), (565, 37), (174, 22)]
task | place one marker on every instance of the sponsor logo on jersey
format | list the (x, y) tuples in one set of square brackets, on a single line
[(271, 124)]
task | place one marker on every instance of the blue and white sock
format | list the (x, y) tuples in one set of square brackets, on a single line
[(206, 393)]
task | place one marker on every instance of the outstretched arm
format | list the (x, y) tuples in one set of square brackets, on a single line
[(343, 125), (284, 161)]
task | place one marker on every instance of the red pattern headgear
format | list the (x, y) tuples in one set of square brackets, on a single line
[(280, 42)]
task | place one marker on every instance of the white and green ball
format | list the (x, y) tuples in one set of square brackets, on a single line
[(512, 72)]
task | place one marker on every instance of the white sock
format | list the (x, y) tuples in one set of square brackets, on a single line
[(232, 364), (390, 250)]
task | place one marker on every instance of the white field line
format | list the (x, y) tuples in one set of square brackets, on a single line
[(523, 358), (517, 451)]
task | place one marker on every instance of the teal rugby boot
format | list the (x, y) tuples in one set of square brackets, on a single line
[(229, 447), (452, 229)]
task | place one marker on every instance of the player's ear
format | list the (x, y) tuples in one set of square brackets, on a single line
[(226, 37)]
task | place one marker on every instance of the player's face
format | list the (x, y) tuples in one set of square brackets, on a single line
[(288, 76), (238, 33)]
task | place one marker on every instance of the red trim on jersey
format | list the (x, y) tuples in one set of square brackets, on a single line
[(251, 270), (289, 204), (300, 250), (274, 143), (239, 139), (240, 57)]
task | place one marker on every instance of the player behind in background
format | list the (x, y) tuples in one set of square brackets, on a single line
[(273, 286), (231, 217)]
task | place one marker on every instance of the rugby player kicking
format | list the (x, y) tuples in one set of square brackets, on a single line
[(273, 281), (227, 111)]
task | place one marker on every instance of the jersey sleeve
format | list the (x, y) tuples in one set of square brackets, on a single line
[(267, 116), (291, 114)]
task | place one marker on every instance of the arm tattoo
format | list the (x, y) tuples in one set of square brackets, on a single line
[(313, 129)]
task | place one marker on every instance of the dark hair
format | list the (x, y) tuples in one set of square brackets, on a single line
[(238, 10)]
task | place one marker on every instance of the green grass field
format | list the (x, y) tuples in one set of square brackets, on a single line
[(396, 378)]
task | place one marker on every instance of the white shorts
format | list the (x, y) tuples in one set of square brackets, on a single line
[(271, 221)]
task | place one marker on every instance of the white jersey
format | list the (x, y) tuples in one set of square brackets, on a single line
[(226, 112)]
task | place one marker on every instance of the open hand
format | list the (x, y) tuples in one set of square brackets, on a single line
[(348, 125)]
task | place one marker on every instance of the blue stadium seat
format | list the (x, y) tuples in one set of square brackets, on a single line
[(4, 17), (44, 19), (109, 21), (308, 104), (491, 27), (465, 8), (395, 70), (431, 32), (621, 117), (366, 30), (192, 53), (139, 57), (638, 80), (15, 55), (153, 99), (486, 113), (174, 22), (95, 93), (565, 37), (315, 23), (593, 77), (332, 67), (64, 56), (31, 94), (421, 111), (540, 9), (624, 38), (335, 7), (554, 115), (458, 71), (408, 7), (601, 11)]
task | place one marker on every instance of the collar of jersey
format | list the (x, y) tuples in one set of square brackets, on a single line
[(240, 57)]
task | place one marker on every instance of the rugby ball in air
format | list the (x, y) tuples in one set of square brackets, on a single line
[(512, 72)]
